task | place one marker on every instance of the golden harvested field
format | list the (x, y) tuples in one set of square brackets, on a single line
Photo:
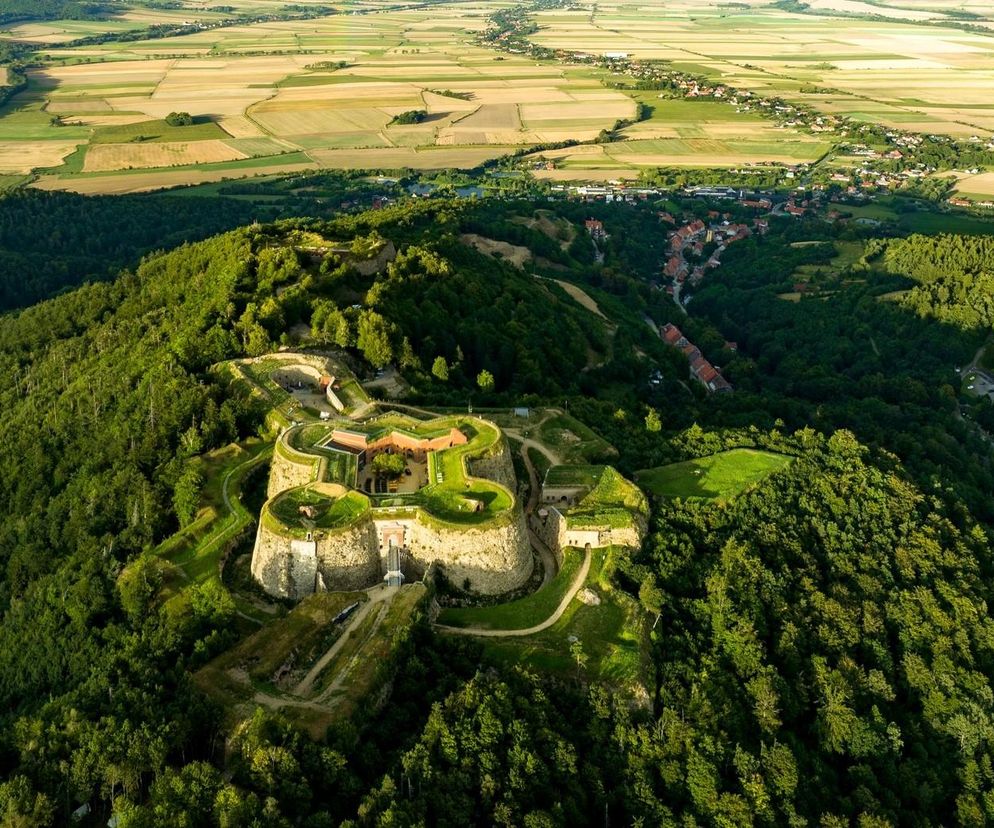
[(979, 186), (110, 157), (492, 116), (21, 158)]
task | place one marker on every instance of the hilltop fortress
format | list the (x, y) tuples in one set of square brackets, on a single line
[(352, 504)]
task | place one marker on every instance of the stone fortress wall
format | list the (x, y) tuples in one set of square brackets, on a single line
[(291, 468), (556, 533), (291, 568), (493, 557), (496, 465)]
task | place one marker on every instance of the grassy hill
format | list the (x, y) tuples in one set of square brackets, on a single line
[(719, 476)]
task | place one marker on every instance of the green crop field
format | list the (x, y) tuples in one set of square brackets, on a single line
[(720, 476)]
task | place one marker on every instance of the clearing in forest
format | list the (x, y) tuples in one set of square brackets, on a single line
[(719, 476)]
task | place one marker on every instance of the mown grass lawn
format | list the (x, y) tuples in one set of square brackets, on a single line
[(719, 476), (611, 634), (523, 613)]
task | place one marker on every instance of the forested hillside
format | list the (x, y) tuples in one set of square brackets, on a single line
[(104, 388), (955, 276), (821, 652), (14, 11), (830, 626), (852, 357)]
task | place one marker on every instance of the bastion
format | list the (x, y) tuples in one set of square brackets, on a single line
[(351, 504)]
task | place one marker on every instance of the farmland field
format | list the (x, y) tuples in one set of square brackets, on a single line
[(899, 70), (324, 92), (316, 93)]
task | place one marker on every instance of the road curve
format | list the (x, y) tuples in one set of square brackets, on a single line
[(575, 587)]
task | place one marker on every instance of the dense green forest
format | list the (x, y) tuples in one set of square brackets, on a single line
[(954, 276), (823, 653), (77, 238), (15, 11), (852, 357), (832, 659)]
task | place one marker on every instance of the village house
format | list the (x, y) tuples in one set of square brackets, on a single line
[(595, 228), (700, 369)]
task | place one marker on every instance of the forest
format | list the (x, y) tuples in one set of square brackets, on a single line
[(854, 357), (15, 11), (76, 238), (822, 652)]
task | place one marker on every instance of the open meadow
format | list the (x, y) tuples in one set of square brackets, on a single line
[(720, 476)]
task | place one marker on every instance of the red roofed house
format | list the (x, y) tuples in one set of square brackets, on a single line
[(671, 334), (595, 228), (675, 266)]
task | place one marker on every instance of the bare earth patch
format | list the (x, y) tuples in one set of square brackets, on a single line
[(512, 253)]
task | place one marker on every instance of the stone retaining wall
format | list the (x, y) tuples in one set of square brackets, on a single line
[(494, 559), (556, 532), (496, 466), (288, 567), (350, 559), (290, 468)]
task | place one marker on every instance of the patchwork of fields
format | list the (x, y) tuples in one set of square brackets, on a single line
[(895, 70), (297, 94), (293, 95)]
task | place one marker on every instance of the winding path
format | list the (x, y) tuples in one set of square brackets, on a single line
[(577, 585), (377, 595)]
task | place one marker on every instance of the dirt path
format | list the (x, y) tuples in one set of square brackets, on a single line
[(580, 296), (423, 411), (327, 697), (304, 685), (576, 586), (527, 442), (976, 359), (376, 598), (549, 564)]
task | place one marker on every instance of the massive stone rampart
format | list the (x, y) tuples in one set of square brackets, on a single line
[(493, 558), (289, 567), (291, 468), (556, 531), (495, 465), (350, 558)]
